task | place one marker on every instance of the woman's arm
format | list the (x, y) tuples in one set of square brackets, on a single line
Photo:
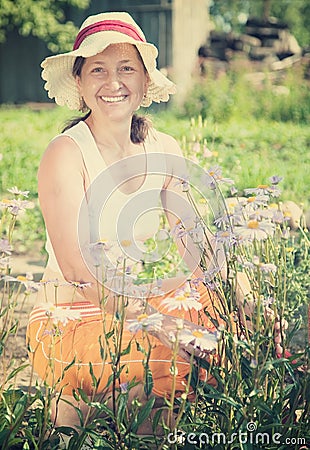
[(177, 207), (62, 183)]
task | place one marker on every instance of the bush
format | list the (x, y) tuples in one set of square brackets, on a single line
[(232, 95)]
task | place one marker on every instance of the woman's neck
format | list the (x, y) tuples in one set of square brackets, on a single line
[(111, 136)]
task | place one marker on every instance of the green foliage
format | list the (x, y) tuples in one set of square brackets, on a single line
[(41, 18), (234, 95), (230, 15)]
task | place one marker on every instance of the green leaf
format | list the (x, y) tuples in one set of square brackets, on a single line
[(148, 381), (145, 411), (126, 351), (83, 395), (156, 419), (16, 371)]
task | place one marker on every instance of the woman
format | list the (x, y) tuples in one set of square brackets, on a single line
[(110, 73)]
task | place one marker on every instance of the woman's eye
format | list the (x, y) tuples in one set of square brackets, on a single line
[(127, 69), (97, 69)]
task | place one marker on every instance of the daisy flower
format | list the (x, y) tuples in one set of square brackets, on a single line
[(185, 298), (98, 251), (184, 183), (264, 189), (256, 200), (203, 339), (214, 174), (145, 322), (30, 285), (278, 217), (14, 190), (225, 237), (275, 179), (79, 284), (60, 314), (253, 229), (180, 228), (15, 206)]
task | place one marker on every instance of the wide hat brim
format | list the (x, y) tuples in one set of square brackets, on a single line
[(60, 82)]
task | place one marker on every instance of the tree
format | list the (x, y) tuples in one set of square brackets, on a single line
[(44, 19)]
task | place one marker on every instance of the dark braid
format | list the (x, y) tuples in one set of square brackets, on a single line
[(140, 125)]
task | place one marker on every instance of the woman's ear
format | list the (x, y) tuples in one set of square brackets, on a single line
[(83, 106), (78, 84)]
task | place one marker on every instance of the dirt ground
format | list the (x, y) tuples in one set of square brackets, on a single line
[(15, 353)]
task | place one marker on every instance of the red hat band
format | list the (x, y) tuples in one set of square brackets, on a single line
[(107, 25)]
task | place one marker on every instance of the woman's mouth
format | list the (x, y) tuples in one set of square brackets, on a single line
[(119, 98)]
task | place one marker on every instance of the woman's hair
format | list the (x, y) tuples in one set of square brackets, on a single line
[(140, 125)]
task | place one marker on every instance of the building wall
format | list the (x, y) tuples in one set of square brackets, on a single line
[(191, 27)]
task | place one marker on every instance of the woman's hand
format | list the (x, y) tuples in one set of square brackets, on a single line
[(186, 336), (280, 327)]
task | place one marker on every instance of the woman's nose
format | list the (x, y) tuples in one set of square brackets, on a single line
[(113, 81)]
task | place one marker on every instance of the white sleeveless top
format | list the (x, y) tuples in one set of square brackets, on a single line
[(123, 221)]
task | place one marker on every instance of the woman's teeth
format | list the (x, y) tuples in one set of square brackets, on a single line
[(120, 98)]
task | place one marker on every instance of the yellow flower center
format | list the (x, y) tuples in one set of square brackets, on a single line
[(197, 334), (141, 317), (5, 200), (21, 278), (225, 234), (211, 173), (251, 199), (262, 186), (253, 224)]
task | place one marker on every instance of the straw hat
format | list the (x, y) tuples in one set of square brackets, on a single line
[(95, 34)]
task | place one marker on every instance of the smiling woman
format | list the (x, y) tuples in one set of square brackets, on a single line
[(101, 184), (112, 84)]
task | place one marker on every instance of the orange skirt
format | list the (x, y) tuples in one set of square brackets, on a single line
[(78, 349)]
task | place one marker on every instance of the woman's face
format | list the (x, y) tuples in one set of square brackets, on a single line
[(114, 81)]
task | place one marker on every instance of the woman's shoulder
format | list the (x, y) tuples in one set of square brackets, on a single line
[(168, 143), (61, 150)]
